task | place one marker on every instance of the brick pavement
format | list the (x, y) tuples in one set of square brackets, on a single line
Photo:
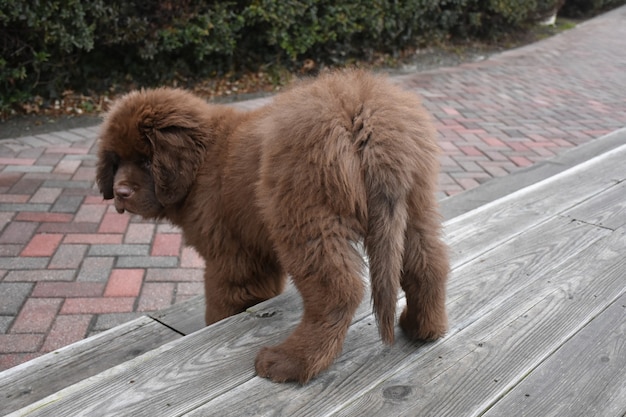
[(70, 266)]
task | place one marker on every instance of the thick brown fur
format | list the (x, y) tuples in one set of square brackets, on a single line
[(290, 189)]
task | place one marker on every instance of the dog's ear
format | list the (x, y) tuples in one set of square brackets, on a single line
[(177, 152), (105, 172)]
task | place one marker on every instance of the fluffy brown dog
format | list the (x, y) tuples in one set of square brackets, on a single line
[(289, 189)]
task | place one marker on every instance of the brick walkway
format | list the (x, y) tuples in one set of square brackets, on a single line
[(70, 266)]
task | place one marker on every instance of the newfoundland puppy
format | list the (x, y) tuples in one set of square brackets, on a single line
[(291, 188)]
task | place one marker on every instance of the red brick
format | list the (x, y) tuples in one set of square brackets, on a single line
[(14, 198), (66, 167), (166, 245), (13, 359), (67, 150), (114, 223), (124, 283), (190, 258), (42, 245), (521, 161), (93, 239), (94, 305), (16, 161), (36, 315), (20, 343), (471, 151), (66, 330), (30, 216), (96, 199), (68, 289)]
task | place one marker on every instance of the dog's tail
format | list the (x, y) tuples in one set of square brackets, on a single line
[(384, 243)]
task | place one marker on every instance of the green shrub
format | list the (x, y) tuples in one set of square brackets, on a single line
[(48, 46)]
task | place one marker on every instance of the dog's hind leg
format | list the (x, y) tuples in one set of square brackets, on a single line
[(425, 271), (326, 268)]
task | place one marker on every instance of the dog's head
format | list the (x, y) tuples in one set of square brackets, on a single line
[(152, 144)]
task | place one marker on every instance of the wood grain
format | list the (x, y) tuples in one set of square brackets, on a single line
[(586, 376), (478, 365), (365, 363), (36, 379)]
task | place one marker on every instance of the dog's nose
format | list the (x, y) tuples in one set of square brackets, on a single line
[(123, 191)]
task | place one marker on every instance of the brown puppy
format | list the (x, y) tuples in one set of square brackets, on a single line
[(289, 189)]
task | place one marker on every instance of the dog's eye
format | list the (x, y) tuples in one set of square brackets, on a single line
[(145, 163)]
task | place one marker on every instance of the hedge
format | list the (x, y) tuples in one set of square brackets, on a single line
[(49, 46)]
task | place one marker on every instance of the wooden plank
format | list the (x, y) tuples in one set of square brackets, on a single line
[(475, 289), (235, 341), (468, 372), (502, 219), (186, 317), (40, 377), (607, 210), (586, 376), (235, 368)]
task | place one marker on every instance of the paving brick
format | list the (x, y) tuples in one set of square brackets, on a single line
[(14, 198), (14, 295), (124, 283), (84, 173), (18, 232), (166, 244), (10, 250), (114, 223), (147, 262), (95, 305), (174, 274), (95, 269), (155, 296), (20, 343), (68, 289), (13, 359), (66, 330), (40, 275), (190, 258), (5, 323), (90, 213), (68, 256), (119, 250), (16, 263), (189, 288), (66, 167), (37, 315), (93, 238), (75, 228), (35, 216), (67, 204), (139, 233), (42, 245)]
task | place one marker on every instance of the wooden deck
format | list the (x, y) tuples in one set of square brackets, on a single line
[(537, 306)]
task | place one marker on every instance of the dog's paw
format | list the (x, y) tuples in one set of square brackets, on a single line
[(279, 365), (421, 328)]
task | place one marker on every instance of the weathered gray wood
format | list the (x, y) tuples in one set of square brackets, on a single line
[(586, 376), (502, 219), (40, 377), (468, 372), (475, 289), (185, 318), (181, 376), (608, 211), (220, 357)]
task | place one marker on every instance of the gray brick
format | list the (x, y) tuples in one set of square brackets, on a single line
[(28, 168), (95, 269), (68, 256), (5, 323), (108, 321), (23, 263), (24, 207), (147, 262), (68, 184), (13, 296), (67, 204), (119, 250), (41, 275)]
